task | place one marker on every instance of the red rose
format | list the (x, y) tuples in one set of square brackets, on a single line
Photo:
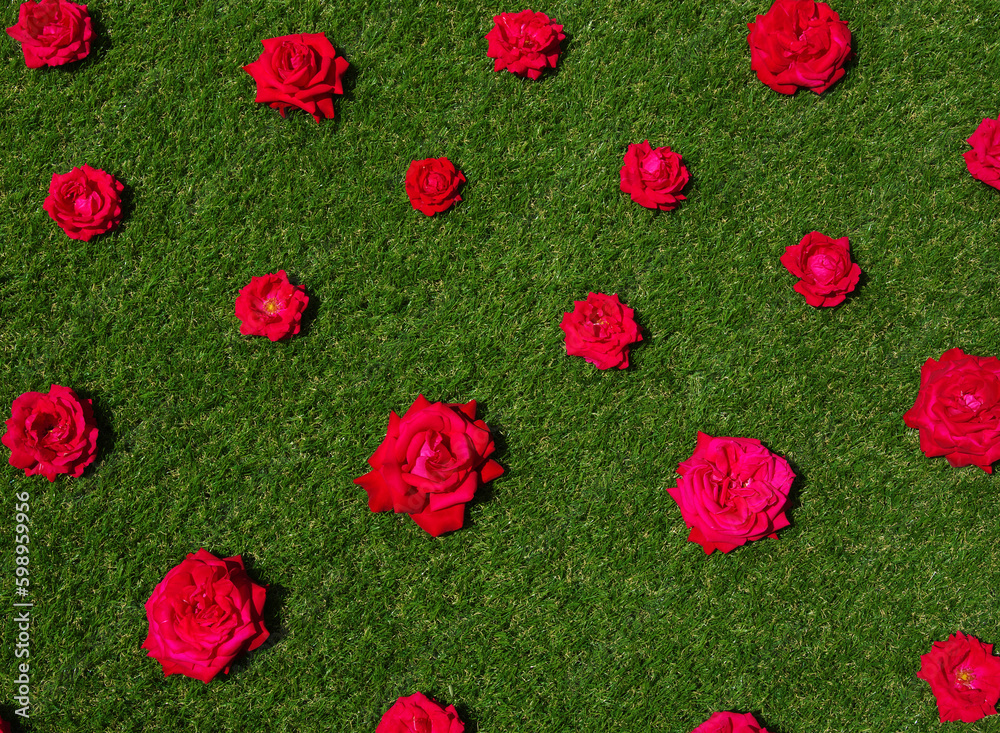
[(524, 43), (85, 202), (203, 614), (600, 329), (726, 722), (653, 177), (432, 185), (420, 714), (799, 43), (957, 410), (301, 71), (52, 32), (983, 161), (732, 490), (430, 464), (824, 267), (4, 726), (51, 433), (271, 306), (964, 677)]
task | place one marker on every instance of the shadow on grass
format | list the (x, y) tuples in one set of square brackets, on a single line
[(107, 438), (274, 604), (487, 491)]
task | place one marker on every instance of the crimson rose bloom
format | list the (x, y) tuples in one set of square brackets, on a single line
[(600, 329), (653, 177), (85, 202), (51, 433), (825, 268), (726, 722), (271, 306), (420, 714), (432, 185), (964, 677), (301, 71), (203, 614), (524, 43), (957, 410), (799, 43), (732, 490), (430, 464), (52, 32), (983, 161), (4, 726)]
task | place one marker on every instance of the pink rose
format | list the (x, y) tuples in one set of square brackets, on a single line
[(85, 202), (824, 267), (430, 464), (203, 614), (732, 490), (799, 43), (432, 185), (52, 32), (420, 714), (957, 410), (653, 177), (524, 43), (964, 677), (51, 433), (271, 306), (301, 70), (601, 329), (726, 722), (983, 161)]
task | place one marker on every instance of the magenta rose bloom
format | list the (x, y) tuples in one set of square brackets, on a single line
[(51, 433), (271, 306), (726, 722), (203, 614), (420, 714), (983, 161), (964, 677), (824, 268), (601, 329), (301, 70), (732, 490), (432, 185), (52, 32), (957, 410), (430, 464), (85, 202), (799, 43), (653, 177), (524, 43)]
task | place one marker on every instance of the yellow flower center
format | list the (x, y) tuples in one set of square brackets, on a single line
[(271, 306), (965, 677)]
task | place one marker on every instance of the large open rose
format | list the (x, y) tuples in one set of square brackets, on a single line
[(52, 32), (430, 464), (51, 433), (432, 185), (524, 43), (964, 677), (824, 268), (269, 305), (799, 43), (420, 714), (203, 614), (983, 161), (601, 329), (957, 409), (732, 490), (726, 722), (653, 177), (85, 202)]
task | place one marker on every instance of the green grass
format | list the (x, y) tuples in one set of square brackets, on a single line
[(572, 602)]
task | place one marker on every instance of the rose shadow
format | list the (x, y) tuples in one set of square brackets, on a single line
[(348, 80), (7, 712), (486, 492), (310, 312), (471, 723), (759, 717), (127, 202), (106, 435)]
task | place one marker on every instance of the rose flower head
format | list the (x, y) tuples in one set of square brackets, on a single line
[(524, 43), (430, 464), (52, 32), (957, 409), (653, 177), (432, 185), (983, 161), (824, 268), (203, 614), (301, 70), (420, 714), (601, 329), (271, 306), (964, 677), (799, 43), (51, 433), (726, 722), (85, 202), (732, 490)]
